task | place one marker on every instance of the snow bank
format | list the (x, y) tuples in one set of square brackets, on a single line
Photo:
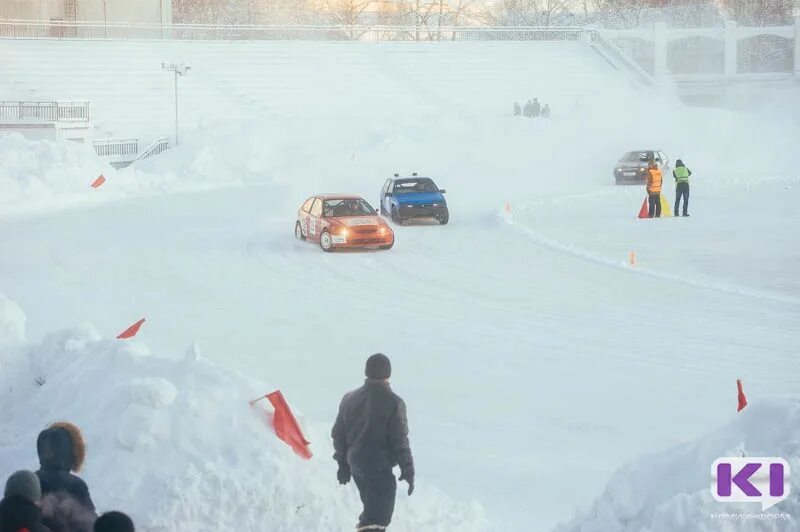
[(173, 441), (34, 173), (670, 491)]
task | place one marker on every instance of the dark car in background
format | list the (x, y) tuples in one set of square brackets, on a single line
[(631, 169), (411, 198)]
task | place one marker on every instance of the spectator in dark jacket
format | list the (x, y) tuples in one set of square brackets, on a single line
[(62, 451), (527, 111), (537, 107), (113, 522), (370, 437), (63, 513), (19, 508)]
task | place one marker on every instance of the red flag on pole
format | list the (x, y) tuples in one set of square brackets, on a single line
[(742, 398), (99, 181), (131, 331), (643, 212), (286, 426)]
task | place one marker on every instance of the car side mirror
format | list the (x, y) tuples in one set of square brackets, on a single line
[(442, 190)]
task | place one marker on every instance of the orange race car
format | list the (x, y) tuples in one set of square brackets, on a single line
[(342, 221)]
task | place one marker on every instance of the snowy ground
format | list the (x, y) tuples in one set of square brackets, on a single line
[(533, 359)]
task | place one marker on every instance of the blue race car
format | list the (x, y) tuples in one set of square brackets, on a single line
[(413, 197)]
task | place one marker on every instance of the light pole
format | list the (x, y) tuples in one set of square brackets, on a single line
[(177, 70)]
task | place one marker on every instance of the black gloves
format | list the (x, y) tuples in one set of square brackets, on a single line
[(408, 476), (343, 474)]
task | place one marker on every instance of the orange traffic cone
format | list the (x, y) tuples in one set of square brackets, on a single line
[(741, 396), (632, 258), (99, 181), (643, 212), (508, 207)]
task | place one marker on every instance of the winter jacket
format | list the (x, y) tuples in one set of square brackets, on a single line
[(61, 450), (18, 513), (62, 513), (654, 180), (371, 431)]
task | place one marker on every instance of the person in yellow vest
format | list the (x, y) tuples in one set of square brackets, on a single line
[(654, 181), (681, 175)]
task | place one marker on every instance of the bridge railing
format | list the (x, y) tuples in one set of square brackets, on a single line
[(44, 111), (28, 29)]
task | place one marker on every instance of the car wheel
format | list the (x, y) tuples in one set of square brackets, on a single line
[(325, 241), (444, 218), (298, 231), (396, 217)]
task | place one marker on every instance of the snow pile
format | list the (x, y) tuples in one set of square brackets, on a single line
[(12, 323), (173, 442), (37, 172), (670, 491)]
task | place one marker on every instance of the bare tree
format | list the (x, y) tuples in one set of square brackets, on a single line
[(760, 12), (542, 13)]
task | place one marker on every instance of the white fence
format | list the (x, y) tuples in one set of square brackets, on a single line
[(44, 111), (27, 29), (122, 149)]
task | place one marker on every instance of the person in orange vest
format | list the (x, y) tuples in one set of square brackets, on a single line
[(654, 181)]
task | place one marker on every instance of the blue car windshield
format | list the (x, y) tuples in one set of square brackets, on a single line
[(347, 207), (423, 184)]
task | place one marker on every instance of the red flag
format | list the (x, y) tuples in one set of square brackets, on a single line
[(131, 331), (286, 427), (742, 398), (643, 212), (99, 181)]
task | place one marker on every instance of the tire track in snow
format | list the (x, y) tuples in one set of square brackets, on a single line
[(581, 253)]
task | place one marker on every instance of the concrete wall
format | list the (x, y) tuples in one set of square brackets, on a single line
[(150, 11)]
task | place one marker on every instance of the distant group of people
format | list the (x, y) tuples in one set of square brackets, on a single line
[(54, 499), (532, 109), (655, 180)]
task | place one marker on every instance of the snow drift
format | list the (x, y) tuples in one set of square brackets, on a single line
[(670, 491), (172, 440)]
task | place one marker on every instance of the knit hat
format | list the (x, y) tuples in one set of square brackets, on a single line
[(378, 367), (24, 484), (113, 522)]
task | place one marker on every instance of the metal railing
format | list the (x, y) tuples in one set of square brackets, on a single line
[(117, 148), (157, 147), (601, 42), (30, 29), (44, 111)]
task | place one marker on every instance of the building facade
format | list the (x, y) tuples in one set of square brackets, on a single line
[(132, 11)]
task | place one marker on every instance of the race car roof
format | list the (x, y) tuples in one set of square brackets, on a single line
[(338, 196)]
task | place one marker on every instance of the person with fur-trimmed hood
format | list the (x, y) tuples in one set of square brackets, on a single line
[(19, 509), (62, 451)]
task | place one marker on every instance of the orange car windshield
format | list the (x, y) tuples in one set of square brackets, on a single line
[(347, 207)]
